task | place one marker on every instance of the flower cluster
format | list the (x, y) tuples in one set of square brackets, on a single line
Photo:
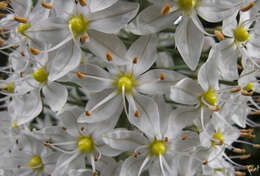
[(120, 88)]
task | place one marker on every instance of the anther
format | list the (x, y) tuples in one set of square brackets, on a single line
[(219, 35), (47, 6), (162, 76), (34, 51), (1, 42), (95, 173), (83, 3), (80, 75), (256, 146), (21, 74), (64, 128), (239, 173), (83, 38), (47, 144), (20, 19), (239, 67), (109, 57), (205, 162), (184, 138), (250, 130), (136, 155), (255, 113), (137, 114), (166, 139), (166, 9), (244, 9), (216, 108), (3, 5), (244, 156), (246, 135), (245, 93), (87, 113), (236, 89), (2, 15), (22, 53), (135, 60), (82, 128), (238, 150), (249, 167), (95, 159)]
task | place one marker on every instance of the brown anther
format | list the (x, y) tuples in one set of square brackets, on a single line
[(136, 155), (247, 135), (95, 173), (19, 166), (82, 128), (238, 150), (219, 35), (109, 57), (218, 142), (49, 174), (249, 167), (2, 15), (244, 156), (1, 42), (135, 60), (250, 130), (205, 162), (64, 128), (166, 9), (216, 108), (256, 146), (20, 19), (137, 114), (166, 139), (80, 75), (21, 74), (84, 38), (87, 113), (255, 113), (22, 53), (162, 76), (83, 3), (245, 93), (258, 99), (3, 5), (96, 159), (47, 144), (244, 9), (47, 6), (34, 51), (234, 90), (239, 67), (20, 149), (184, 138), (239, 173)]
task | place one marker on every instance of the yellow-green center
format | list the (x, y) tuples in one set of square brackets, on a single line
[(78, 25), (241, 34), (187, 5), (158, 148), (217, 138), (125, 82), (210, 97), (250, 87), (23, 28), (36, 163), (85, 144), (40, 75)]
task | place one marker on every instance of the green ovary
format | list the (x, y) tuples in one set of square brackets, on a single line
[(241, 34), (36, 163), (125, 81), (23, 28), (249, 87), (210, 97), (85, 144), (78, 25), (187, 5), (41, 75), (158, 148)]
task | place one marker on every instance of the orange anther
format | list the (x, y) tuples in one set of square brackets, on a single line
[(244, 9), (166, 9), (236, 89), (83, 3), (87, 113), (84, 38), (166, 139), (162, 77), (245, 93), (34, 51), (136, 155), (47, 6), (3, 5), (20, 19), (219, 35), (137, 114), (216, 108), (109, 57), (184, 138), (135, 60), (80, 75)]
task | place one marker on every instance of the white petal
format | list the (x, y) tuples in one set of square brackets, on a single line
[(100, 5), (189, 41), (131, 166), (55, 95), (229, 24), (145, 49)]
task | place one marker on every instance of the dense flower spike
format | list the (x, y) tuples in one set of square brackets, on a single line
[(129, 87)]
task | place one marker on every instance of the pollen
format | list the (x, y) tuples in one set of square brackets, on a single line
[(241, 34), (41, 75), (158, 148), (187, 5), (23, 28), (250, 87), (85, 144), (78, 25), (210, 97), (36, 163)]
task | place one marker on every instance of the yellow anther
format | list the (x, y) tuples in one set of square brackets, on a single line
[(14, 125), (218, 138), (241, 34), (36, 163), (23, 28), (166, 9), (187, 5), (78, 25), (158, 148), (20, 19), (85, 144), (249, 87), (47, 6), (41, 75), (210, 97)]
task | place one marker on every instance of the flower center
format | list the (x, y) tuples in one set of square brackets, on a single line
[(158, 148), (85, 144), (78, 25), (250, 87), (241, 34), (40, 75), (14, 125), (217, 138), (36, 163), (187, 5), (23, 28), (210, 97), (127, 81)]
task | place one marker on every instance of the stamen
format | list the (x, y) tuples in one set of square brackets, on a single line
[(234, 90), (87, 113), (80, 75), (34, 51), (166, 139), (83, 38), (3, 5), (22, 53), (184, 138), (135, 60), (239, 173), (240, 157), (245, 93), (205, 162), (83, 3), (162, 77), (137, 114), (109, 57), (219, 35), (136, 155), (251, 5), (64, 128), (256, 146), (47, 6), (20, 19), (216, 108), (246, 135), (238, 150), (166, 9), (47, 144), (21, 74)]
